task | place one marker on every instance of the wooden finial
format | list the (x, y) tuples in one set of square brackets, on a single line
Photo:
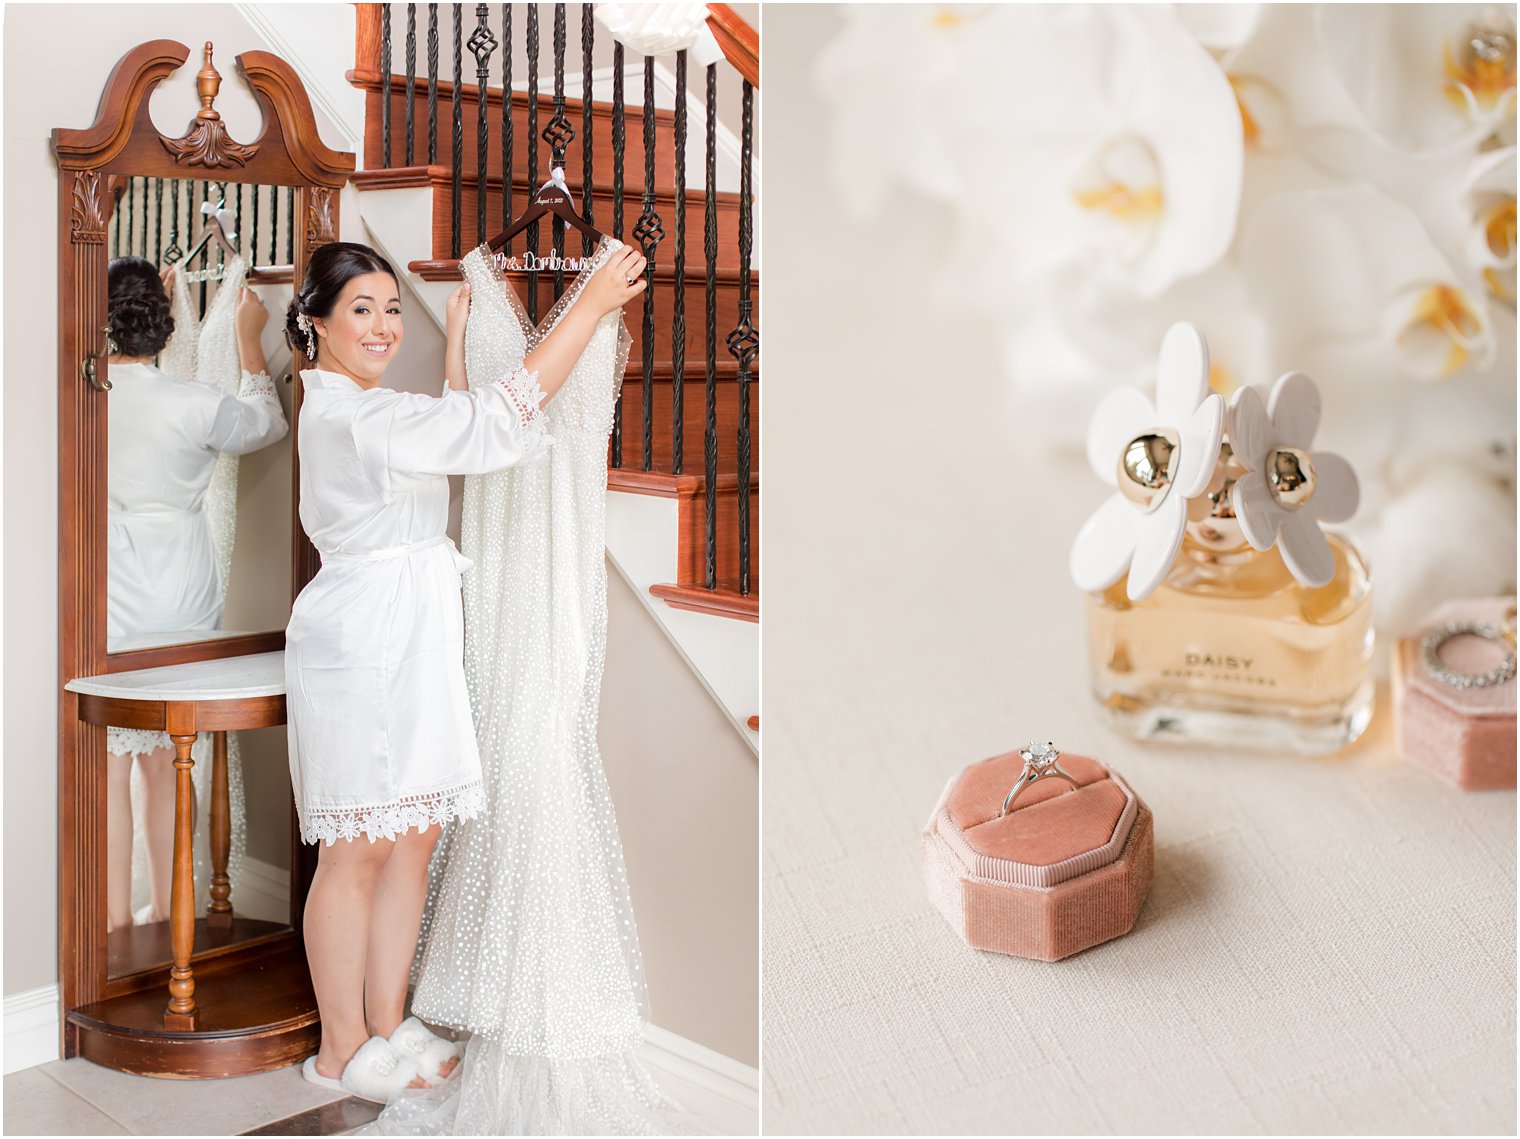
[(208, 81)]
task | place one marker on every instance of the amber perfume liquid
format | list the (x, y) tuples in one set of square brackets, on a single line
[(1233, 650)]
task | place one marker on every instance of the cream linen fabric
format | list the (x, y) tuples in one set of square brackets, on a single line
[(1329, 945)]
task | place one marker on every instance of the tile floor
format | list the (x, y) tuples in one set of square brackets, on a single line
[(76, 1097)]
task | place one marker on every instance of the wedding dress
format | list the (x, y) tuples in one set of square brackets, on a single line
[(528, 941), (203, 353)]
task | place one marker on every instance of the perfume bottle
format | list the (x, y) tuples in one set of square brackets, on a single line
[(1234, 619)]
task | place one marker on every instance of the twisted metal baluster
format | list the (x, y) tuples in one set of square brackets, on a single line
[(558, 134), (432, 60), (172, 251), (128, 198), (290, 224), (274, 227), (411, 83), (649, 233), (710, 339), (201, 197), (482, 44), (385, 82), (506, 121), (619, 140), (588, 25), (457, 155), (253, 230), (744, 340), (678, 299), (530, 242), (237, 216), (158, 219)]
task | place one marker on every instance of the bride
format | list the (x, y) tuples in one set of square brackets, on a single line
[(382, 744)]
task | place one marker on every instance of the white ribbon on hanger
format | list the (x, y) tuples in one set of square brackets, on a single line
[(658, 29), (225, 218)]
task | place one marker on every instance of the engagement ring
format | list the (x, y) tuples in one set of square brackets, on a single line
[(1039, 763)]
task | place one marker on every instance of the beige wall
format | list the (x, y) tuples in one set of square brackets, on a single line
[(686, 787)]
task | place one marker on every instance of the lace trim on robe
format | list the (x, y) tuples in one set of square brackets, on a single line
[(255, 384), (136, 741), (525, 394), (390, 820)]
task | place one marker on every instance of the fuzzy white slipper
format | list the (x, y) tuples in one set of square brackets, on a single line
[(309, 1071), (377, 1072), (430, 1051)]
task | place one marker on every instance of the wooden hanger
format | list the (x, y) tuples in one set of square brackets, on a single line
[(552, 197)]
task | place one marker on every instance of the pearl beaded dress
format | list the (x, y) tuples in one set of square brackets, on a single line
[(529, 940)]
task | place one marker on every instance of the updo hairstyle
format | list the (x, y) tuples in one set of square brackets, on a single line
[(137, 307), (328, 271)]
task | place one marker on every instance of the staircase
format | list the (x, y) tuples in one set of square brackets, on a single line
[(675, 516)]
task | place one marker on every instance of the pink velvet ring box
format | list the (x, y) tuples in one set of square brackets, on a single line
[(1066, 869), (1464, 735)]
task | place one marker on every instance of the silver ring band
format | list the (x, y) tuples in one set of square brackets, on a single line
[(1040, 762), (1501, 673)]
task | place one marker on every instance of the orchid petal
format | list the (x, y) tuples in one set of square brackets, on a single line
[(1305, 549), (1105, 545), (1249, 428), (1294, 407), (1200, 449), (1256, 510), (1121, 415), (1182, 373), (1159, 541), (1336, 490)]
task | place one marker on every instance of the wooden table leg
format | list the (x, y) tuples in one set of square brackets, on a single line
[(181, 1014), (219, 911)]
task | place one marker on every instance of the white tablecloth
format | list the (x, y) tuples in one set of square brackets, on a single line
[(1328, 946)]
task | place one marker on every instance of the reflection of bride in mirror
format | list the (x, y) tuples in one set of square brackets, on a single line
[(165, 436)]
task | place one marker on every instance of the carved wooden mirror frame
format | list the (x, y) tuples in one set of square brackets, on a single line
[(288, 152)]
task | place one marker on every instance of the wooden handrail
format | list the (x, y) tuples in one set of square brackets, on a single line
[(739, 41)]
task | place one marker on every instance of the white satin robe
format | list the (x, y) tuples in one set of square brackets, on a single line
[(164, 437), (378, 714)]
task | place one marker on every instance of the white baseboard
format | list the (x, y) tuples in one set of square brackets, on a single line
[(262, 891), (724, 1077), (31, 1029)]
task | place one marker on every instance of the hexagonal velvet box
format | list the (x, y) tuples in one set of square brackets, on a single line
[(1065, 869), (1464, 735)]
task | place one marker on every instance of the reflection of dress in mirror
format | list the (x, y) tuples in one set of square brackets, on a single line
[(166, 582)]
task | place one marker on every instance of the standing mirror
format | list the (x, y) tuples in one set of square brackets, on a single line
[(180, 546)]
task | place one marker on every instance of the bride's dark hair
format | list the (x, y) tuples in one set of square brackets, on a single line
[(330, 268), (138, 307)]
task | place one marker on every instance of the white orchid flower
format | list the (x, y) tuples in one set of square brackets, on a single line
[(1491, 233), (1288, 490), (1103, 139), (1168, 450), (1426, 77), (1352, 266)]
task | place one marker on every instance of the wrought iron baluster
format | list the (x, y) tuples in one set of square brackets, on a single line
[(710, 338), (558, 134), (253, 229), (237, 215), (411, 82), (158, 220), (131, 197), (678, 299), (482, 44), (506, 121), (172, 251), (457, 156), (432, 52), (290, 224), (205, 195), (619, 139), (274, 227), (530, 244), (385, 82), (588, 26), (649, 232), (744, 340)]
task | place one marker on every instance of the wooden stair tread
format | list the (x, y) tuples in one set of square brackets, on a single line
[(724, 601)]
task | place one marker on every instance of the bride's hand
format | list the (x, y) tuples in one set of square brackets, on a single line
[(618, 281), (456, 312)]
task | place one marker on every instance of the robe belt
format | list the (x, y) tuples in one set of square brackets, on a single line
[(461, 563)]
